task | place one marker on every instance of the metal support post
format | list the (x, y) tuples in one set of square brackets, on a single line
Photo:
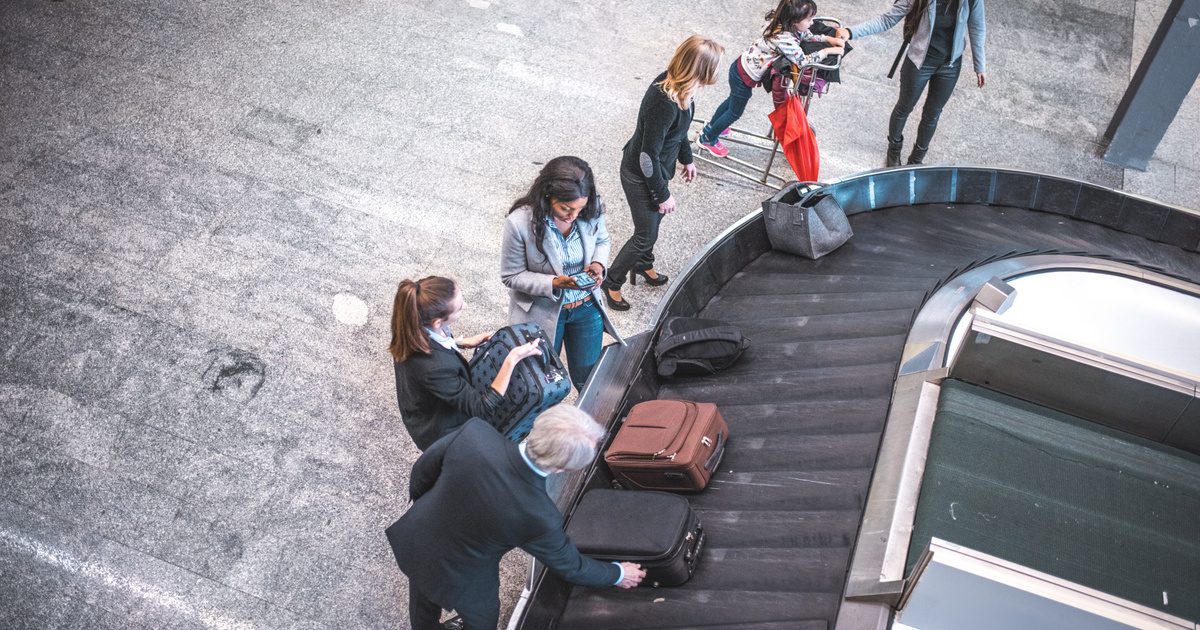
[(1162, 81)]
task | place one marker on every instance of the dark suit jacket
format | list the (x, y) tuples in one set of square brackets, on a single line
[(435, 395), (476, 499)]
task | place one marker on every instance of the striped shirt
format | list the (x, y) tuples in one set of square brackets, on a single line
[(570, 252)]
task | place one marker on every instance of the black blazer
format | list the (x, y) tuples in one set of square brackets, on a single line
[(475, 500), (435, 395)]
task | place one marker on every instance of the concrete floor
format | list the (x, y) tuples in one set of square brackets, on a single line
[(205, 208)]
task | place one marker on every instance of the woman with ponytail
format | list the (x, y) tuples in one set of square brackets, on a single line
[(433, 380), (553, 232)]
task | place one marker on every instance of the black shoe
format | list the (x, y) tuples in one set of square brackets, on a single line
[(454, 623), (893, 154), (658, 280), (918, 155), (615, 304)]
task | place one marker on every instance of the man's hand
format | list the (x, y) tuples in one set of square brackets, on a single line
[(668, 206), (473, 342), (595, 270), (980, 78), (843, 34), (689, 172), (633, 575)]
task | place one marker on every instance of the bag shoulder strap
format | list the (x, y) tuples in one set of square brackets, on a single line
[(727, 332)]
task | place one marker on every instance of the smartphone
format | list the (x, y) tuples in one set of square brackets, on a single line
[(583, 280)]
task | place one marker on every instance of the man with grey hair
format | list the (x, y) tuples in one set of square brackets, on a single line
[(476, 496)]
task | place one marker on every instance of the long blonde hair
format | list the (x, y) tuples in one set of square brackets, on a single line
[(694, 64)]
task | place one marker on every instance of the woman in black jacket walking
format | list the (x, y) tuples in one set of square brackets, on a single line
[(658, 143), (433, 381)]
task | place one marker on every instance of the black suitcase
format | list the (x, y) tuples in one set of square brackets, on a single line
[(657, 530), (537, 382)]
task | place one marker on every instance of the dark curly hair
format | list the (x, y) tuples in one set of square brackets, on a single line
[(565, 178)]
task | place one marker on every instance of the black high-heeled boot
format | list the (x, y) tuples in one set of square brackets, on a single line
[(893, 152), (918, 155), (658, 280), (613, 303)]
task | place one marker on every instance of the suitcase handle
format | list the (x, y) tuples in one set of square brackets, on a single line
[(713, 460), (693, 553), (548, 367), (545, 354)]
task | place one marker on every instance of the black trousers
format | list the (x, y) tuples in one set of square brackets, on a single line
[(638, 251), (941, 79), (425, 614)]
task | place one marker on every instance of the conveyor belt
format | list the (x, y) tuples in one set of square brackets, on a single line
[(807, 403)]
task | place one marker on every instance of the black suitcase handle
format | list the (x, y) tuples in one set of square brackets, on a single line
[(714, 460)]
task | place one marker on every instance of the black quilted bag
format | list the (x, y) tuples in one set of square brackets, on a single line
[(537, 382), (694, 346)]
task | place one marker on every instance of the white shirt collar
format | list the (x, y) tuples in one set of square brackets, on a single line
[(541, 473), (444, 339)]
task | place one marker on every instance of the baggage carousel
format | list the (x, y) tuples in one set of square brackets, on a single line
[(808, 402)]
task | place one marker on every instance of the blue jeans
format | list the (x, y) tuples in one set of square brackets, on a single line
[(582, 328), (941, 79), (731, 109)]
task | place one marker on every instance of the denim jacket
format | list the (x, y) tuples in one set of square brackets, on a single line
[(970, 21)]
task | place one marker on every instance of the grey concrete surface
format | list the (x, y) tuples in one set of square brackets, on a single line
[(205, 208)]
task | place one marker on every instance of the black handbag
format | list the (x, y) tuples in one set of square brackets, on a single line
[(690, 345)]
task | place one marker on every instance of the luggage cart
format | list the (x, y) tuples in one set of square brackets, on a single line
[(802, 84)]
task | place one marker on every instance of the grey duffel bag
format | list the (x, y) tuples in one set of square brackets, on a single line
[(803, 221)]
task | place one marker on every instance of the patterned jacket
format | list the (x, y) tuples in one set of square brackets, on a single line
[(757, 60)]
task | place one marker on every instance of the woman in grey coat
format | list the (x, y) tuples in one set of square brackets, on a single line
[(554, 232), (936, 32)]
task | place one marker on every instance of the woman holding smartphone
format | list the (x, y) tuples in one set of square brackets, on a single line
[(553, 258)]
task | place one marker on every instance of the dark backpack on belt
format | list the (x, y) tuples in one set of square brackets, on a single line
[(694, 346)]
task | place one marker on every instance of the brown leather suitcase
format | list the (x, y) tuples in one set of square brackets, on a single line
[(668, 445)]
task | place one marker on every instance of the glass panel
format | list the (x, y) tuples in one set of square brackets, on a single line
[(948, 598), (1146, 323), (963, 588), (1116, 315)]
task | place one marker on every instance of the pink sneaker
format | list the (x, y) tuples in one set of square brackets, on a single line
[(715, 148), (724, 134)]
